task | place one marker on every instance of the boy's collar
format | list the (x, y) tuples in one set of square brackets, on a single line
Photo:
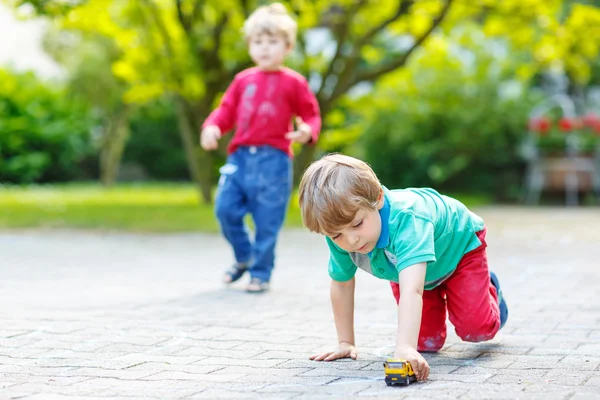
[(384, 213)]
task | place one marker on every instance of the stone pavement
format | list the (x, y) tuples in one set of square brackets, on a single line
[(100, 315)]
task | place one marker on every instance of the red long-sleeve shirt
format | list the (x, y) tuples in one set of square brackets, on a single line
[(261, 104)]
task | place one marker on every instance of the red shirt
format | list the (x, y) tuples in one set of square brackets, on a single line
[(261, 104)]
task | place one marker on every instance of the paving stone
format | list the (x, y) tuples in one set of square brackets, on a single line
[(224, 361), (225, 394), (584, 396), (122, 316), (132, 360), (107, 373), (536, 362), (46, 389), (594, 380)]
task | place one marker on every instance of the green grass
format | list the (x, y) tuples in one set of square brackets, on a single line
[(134, 207)]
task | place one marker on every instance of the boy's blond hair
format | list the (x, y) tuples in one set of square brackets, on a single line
[(273, 20), (332, 191)]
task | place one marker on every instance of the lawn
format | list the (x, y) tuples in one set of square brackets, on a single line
[(144, 207)]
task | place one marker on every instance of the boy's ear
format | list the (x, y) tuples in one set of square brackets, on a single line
[(380, 199)]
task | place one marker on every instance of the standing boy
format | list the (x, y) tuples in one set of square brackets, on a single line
[(429, 246), (257, 178)]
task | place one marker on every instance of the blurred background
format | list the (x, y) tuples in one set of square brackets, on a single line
[(492, 101)]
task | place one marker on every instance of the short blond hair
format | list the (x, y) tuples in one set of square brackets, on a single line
[(273, 20), (333, 189)]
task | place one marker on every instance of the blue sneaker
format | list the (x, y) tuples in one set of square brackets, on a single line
[(501, 302)]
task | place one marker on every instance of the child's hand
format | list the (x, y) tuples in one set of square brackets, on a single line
[(416, 360), (302, 134), (344, 350), (209, 137)]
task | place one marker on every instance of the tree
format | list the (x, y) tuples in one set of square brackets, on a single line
[(190, 49), (88, 59)]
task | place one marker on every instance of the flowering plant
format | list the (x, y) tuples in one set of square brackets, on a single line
[(554, 135)]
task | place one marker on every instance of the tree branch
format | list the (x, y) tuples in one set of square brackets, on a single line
[(301, 42), (403, 8), (343, 32), (182, 20), (196, 11), (210, 57), (384, 68), (151, 7), (187, 22), (218, 35), (245, 8), (347, 77)]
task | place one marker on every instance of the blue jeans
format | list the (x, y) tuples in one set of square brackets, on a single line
[(255, 180)]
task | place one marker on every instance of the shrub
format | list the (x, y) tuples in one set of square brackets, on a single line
[(453, 138), (44, 132)]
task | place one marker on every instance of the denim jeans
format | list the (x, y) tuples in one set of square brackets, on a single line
[(255, 180)]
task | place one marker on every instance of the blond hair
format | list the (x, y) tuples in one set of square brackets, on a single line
[(273, 20), (332, 191)]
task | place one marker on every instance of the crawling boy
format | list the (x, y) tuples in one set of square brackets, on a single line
[(429, 246)]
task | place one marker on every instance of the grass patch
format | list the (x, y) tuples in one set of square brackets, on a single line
[(147, 207), (142, 208)]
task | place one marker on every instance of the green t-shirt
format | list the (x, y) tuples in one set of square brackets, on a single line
[(417, 225)]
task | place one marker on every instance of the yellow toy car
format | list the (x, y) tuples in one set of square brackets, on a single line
[(398, 372)]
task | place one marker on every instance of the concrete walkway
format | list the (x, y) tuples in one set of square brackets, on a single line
[(100, 315)]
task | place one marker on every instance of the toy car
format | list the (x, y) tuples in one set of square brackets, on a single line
[(398, 372)]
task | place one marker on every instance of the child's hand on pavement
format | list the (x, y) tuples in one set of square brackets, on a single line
[(209, 137), (416, 360), (344, 350), (302, 134)]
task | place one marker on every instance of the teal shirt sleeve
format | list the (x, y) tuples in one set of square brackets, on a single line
[(413, 241), (341, 266)]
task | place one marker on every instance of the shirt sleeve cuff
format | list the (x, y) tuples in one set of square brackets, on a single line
[(340, 278), (340, 275), (424, 258)]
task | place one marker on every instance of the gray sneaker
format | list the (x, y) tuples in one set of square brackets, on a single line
[(234, 273), (257, 285)]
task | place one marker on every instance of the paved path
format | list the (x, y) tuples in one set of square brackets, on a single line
[(89, 315)]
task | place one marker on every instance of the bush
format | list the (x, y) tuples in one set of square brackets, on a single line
[(44, 133), (450, 139), (453, 120), (155, 143)]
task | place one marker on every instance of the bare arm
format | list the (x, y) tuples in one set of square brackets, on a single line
[(410, 309), (342, 302)]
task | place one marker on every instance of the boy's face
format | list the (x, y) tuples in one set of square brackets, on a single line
[(268, 51), (362, 234)]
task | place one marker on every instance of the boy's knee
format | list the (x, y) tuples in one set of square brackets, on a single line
[(431, 344), (479, 334), (226, 212)]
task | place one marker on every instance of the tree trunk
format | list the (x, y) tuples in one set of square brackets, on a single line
[(307, 154), (199, 162), (301, 161), (113, 144)]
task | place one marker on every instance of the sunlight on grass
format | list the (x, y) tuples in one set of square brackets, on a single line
[(145, 208), (134, 207)]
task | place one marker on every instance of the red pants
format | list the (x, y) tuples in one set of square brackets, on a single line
[(471, 300)]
